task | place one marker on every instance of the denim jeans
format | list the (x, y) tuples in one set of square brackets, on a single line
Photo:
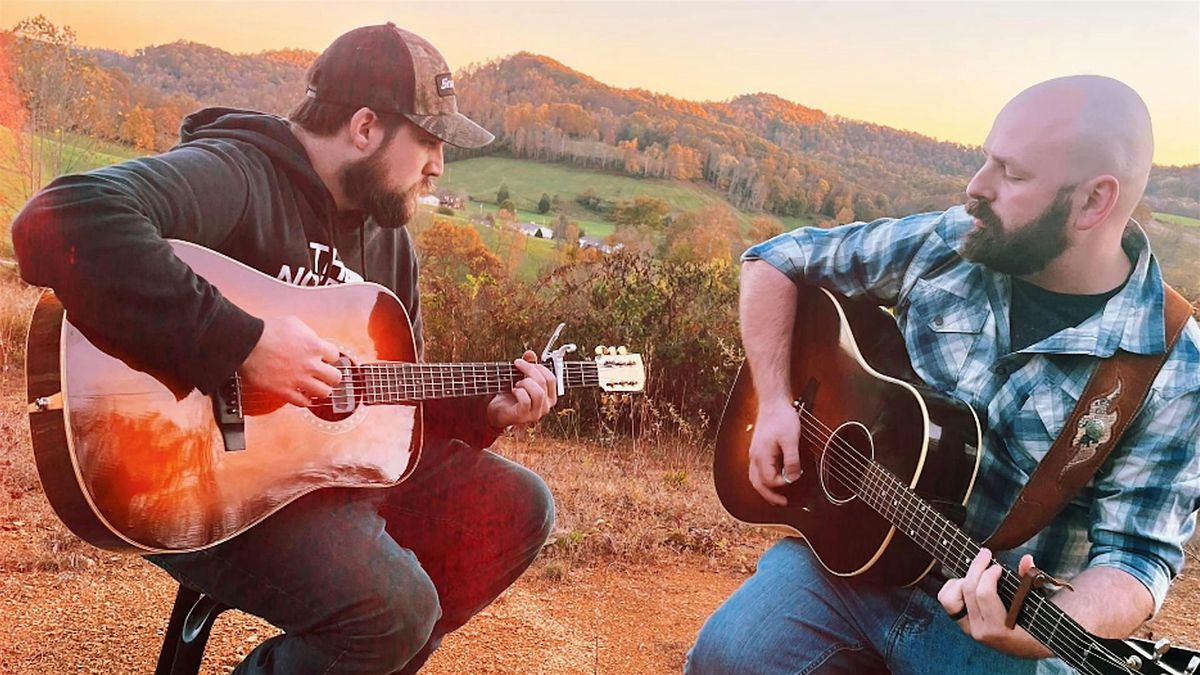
[(793, 617), (369, 580)]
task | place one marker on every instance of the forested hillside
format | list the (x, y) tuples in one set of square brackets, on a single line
[(763, 153)]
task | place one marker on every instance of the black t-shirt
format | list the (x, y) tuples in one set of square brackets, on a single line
[(1036, 313)]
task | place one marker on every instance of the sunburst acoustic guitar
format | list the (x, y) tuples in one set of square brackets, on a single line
[(888, 463), (131, 463)]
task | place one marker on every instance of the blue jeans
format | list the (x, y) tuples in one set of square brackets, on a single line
[(369, 580), (793, 617)]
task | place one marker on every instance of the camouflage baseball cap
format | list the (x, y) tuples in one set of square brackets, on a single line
[(389, 69)]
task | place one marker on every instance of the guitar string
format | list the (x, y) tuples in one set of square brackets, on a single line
[(458, 375), (1080, 645), (480, 381), (1079, 639), (851, 456), (436, 376), (418, 394), (467, 384), (1008, 579)]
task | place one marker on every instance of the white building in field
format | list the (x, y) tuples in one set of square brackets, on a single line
[(534, 230), (591, 242), (429, 200)]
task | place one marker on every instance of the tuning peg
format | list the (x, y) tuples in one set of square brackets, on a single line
[(1161, 647), (622, 351)]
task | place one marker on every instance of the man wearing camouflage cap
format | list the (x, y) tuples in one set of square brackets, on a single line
[(360, 581)]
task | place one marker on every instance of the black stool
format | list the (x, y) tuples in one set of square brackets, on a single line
[(191, 621)]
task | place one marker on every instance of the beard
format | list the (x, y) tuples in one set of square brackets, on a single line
[(364, 182), (1024, 250)]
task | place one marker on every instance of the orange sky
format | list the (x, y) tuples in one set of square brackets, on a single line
[(939, 68)]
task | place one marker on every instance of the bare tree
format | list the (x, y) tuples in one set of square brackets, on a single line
[(54, 87)]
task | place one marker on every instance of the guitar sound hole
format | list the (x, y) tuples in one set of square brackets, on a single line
[(324, 409), (844, 460), (342, 402)]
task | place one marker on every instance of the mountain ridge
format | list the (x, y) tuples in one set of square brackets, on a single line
[(763, 152)]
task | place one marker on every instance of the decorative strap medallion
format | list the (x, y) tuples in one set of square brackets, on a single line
[(1094, 429)]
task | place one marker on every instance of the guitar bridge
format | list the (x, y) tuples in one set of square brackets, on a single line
[(808, 396), (227, 409)]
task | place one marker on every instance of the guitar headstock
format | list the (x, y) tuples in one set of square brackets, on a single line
[(618, 370), (1136, 655)]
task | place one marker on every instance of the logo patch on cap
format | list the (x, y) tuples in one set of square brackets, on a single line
[(445, 84)]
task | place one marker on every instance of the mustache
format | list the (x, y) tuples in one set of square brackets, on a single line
[(982, 210)]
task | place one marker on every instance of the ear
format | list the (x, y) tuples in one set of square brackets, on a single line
[(364, 130), (1100, 197)]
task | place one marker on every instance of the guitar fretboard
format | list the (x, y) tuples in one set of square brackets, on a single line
[(383, 383), (944, 540)]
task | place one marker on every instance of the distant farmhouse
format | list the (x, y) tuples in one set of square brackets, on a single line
[(450, 200), (428, 200), (591, 242), (533, 230)]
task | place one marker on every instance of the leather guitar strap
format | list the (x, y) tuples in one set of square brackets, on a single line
[(1110, 402)]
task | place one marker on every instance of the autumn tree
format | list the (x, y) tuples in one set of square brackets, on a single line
[(138, 128), (456, 269), (642, 212), (762, 229), (12, 108), (50, 80), (708, 234)]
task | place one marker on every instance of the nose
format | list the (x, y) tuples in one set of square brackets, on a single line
[(980, 186), (436, 163)]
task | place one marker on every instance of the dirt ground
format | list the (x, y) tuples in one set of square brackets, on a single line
[(606, 620), (642, 554), (110, 618)]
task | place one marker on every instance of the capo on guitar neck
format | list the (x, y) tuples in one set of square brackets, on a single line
[(1033, 578), (555, 357)]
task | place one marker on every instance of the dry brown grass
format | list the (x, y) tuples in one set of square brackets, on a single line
[(634, 504), (16, 304), (52, 547)]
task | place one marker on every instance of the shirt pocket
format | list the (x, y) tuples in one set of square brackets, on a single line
[(941, 329), (1038, 423)]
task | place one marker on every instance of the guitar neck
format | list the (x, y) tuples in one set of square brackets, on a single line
[(945, 541), (385, 382)]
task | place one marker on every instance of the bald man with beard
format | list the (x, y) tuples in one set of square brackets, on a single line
[(1007, 303)]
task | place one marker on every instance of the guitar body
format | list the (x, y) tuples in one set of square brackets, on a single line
[(132, 464), (850, 370)]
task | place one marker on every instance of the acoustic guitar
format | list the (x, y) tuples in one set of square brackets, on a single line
[(134, 463), (888, 466)]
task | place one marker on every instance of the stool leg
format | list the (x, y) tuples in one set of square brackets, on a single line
[(194, 636), (191, 621), (185, 599)]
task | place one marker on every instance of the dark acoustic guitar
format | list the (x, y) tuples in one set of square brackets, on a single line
[(888, 465), (132, 462)]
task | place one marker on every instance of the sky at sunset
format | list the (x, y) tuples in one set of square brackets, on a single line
[(939, 68)]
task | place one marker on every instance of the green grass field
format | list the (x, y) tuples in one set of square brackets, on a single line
[(18, 183), (1176, 220), (481, 178), (527, 180), (590, 226)]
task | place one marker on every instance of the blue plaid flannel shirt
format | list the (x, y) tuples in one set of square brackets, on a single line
[(1140, 508)]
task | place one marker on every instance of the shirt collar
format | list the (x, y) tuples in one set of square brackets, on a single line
[(1132, 319)]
